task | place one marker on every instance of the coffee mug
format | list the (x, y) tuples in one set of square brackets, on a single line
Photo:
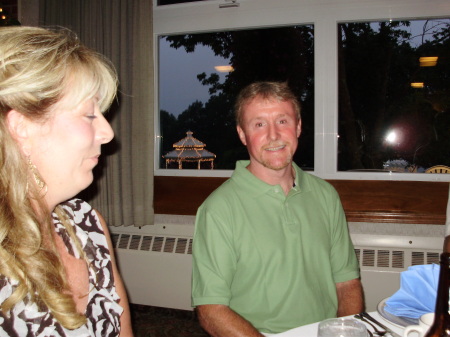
[(425, 322)]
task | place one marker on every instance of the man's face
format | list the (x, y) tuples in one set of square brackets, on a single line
[(270, 130)]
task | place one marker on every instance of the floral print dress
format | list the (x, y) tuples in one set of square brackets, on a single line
[(102, 312)]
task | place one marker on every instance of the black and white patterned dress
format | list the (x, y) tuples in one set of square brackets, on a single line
[(102, 312)]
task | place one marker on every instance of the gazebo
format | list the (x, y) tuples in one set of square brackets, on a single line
[(189, 149)]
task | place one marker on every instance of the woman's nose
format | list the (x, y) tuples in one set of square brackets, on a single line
[(106, 133)]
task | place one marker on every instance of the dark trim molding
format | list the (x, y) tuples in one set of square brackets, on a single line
[(410, 202)]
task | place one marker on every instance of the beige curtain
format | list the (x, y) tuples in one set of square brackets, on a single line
[(121, 30)]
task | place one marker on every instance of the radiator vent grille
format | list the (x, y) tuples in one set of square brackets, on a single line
[(368, 257), (398, 259), (385, 258), (170, 244), (394, 259), (158, 243), (418, 257), (134, 243), (164, 244), (146, 242), (432, 258), (181, 246), (123, 242)]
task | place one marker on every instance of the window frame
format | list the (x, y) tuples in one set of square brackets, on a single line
[(325, 15)]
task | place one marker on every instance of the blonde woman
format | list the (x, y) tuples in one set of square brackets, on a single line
[(58, 276)]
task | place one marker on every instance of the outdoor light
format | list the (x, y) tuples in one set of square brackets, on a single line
[(391, 137)]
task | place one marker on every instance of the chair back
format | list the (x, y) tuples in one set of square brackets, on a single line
[(438, 169)]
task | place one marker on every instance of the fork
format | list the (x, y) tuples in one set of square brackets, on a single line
[(370, 333), (375, 330)]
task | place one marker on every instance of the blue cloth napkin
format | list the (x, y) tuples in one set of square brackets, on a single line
[(417, 293)]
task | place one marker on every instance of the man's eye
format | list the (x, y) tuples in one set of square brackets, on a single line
[(258, 125)]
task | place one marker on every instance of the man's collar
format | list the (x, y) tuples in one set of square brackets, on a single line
[(243, 176)]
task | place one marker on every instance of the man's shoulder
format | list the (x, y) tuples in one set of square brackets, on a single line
[(315, 182), (227, 190)]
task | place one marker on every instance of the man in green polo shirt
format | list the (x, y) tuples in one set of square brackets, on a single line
[(271, 246)]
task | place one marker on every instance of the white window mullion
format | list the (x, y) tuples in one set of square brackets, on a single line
[(326, 97)]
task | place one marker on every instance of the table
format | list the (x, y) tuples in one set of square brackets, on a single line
[(310, 330)]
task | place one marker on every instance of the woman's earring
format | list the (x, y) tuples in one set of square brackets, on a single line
[(43, 188)]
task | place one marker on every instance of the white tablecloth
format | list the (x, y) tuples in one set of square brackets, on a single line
[(310, 330)]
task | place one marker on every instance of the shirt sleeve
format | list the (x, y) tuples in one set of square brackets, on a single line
[(343, 258), (213, 259)]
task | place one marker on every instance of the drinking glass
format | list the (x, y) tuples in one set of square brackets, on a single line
[(342, 327)]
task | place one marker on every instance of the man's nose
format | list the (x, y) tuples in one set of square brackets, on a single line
[(273, 132)]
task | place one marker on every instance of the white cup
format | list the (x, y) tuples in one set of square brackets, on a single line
[(420, 330), (342, 327)]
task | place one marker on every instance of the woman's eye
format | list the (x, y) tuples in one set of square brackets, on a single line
[(91, 116)]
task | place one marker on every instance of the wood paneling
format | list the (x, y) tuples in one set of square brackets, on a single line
[(393, 201), (363, 200), (182, 195)]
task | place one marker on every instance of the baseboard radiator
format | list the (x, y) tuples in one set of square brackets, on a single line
[(155, 263)]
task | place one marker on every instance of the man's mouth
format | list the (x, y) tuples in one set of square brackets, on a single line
[(275, 148)]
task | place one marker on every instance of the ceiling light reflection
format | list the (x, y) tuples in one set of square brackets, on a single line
[(428, 61), (224, 69), (417, 84)]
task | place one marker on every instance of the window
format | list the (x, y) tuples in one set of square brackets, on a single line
[(8, 13), (394, 95), (200, 77), (329, 141)]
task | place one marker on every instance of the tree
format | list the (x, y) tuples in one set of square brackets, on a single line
[(377, 64), (276, 54)]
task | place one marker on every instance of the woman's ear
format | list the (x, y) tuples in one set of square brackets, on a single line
[(17, 125)]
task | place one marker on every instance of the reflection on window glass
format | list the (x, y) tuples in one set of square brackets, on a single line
[(394, 95), (8, 13), (200, 76)]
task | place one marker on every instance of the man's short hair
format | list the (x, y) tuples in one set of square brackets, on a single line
[(279, 91)]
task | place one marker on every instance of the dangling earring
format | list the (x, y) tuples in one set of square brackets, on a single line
[(43, 188)]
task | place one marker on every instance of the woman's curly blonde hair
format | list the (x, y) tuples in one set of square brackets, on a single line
[(38, 67)]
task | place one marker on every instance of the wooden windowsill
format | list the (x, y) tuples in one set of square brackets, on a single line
[(412, 202)]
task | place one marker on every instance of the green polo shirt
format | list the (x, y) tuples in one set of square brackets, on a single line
[(274, 259)]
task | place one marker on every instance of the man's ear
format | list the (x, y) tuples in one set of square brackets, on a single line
[(241, 134), (299, 128), (17, 125)]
